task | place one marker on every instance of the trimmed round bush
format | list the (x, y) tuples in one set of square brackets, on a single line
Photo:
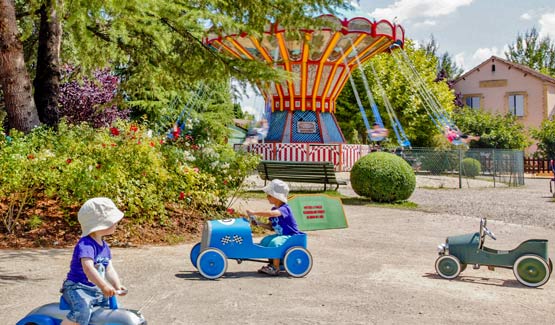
[(383, 177), (471, 167)]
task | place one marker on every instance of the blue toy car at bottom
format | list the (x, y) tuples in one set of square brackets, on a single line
[(54, 313), (232, 239)]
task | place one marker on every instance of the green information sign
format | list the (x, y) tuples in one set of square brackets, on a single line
[(318, 211)]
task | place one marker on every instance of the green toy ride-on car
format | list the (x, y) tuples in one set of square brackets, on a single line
[(529, 261)]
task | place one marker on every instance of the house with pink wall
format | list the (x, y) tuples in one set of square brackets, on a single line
[(500, 87)]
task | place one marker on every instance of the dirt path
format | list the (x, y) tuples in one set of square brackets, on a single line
[(380, 270)]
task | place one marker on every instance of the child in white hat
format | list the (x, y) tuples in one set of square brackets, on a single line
[(281, 220), (92, 279)]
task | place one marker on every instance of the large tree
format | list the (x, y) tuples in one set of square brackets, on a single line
[(47, 74), (533, 51), (16, 85), (157, 45)]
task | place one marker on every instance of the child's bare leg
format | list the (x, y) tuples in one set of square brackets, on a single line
[(275, 263)]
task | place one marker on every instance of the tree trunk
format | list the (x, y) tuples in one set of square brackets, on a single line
[(47, 79), (16, 85)]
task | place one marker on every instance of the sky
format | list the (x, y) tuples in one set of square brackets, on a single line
[(471, 31)]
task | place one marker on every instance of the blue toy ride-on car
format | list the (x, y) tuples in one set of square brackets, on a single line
[(232, 239), (54, 313), (529, 261)]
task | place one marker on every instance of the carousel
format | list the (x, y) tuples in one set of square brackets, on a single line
[(302, 124)]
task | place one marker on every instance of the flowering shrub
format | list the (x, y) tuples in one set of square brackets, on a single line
[(90, 100), (141, 172)]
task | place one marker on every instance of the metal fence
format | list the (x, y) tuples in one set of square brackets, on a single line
[(497, 166)]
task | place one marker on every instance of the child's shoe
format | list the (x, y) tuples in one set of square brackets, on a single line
[(269, 269)]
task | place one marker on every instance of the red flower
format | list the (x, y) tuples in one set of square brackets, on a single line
[(133, 128), (225, 181), (114, 131), (152, 143), (30, 156), (69, 160), (98, 166), (103, 145), (230, 210), (181, 195), (113, 144)]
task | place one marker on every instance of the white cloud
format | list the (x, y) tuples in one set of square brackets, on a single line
[(459, 60), (410, 9), (526, 16), (479, 56), (547, 24), (427, 22)]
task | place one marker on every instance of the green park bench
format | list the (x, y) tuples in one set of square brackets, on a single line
[(300, 172)]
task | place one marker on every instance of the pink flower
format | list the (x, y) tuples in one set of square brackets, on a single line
[(195, 169)]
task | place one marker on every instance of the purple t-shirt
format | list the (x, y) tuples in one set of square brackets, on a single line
[(286, 223), (88, 247)]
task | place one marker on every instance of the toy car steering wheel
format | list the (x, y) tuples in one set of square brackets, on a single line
[(485, 231)]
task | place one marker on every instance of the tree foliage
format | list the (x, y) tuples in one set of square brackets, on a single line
[(533, 51), (495, 131), (545, 136), (157, 46)]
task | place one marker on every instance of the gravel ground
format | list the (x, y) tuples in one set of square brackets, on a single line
[(531, 204)]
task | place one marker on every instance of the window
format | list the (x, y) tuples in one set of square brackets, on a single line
[(472, 101), (516, 105)]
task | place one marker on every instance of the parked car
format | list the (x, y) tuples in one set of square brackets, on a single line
[(54, 313), (232, 239), (529, 261)]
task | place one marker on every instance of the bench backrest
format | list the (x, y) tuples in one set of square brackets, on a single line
[(293, 170)]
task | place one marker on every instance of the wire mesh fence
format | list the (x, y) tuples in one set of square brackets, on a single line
[(495, 166)]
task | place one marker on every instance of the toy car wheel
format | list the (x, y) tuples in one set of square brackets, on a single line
[(212, 263), (297, 262), (448, 267), (195, 251), (531, 270)]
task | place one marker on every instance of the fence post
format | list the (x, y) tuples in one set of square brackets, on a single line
[(460, 167)]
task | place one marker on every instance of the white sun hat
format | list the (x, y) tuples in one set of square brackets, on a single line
[(97, 214), (278, 189)]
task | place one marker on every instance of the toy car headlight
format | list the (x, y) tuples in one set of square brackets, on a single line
[(443, 249)]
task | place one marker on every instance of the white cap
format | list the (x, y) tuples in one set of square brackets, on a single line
[(97, 214), (278, 189)]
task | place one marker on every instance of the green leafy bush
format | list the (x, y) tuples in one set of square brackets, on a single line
[(383, 177), (141, 172), (471, 167), (439, 161)]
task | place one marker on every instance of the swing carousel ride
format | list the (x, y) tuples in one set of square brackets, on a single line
[(301, 110)]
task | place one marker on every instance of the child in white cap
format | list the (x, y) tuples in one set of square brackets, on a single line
[(281, 220), (92, 279)]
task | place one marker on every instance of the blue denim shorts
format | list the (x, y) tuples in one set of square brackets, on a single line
[(81, 299), (274, 240)]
